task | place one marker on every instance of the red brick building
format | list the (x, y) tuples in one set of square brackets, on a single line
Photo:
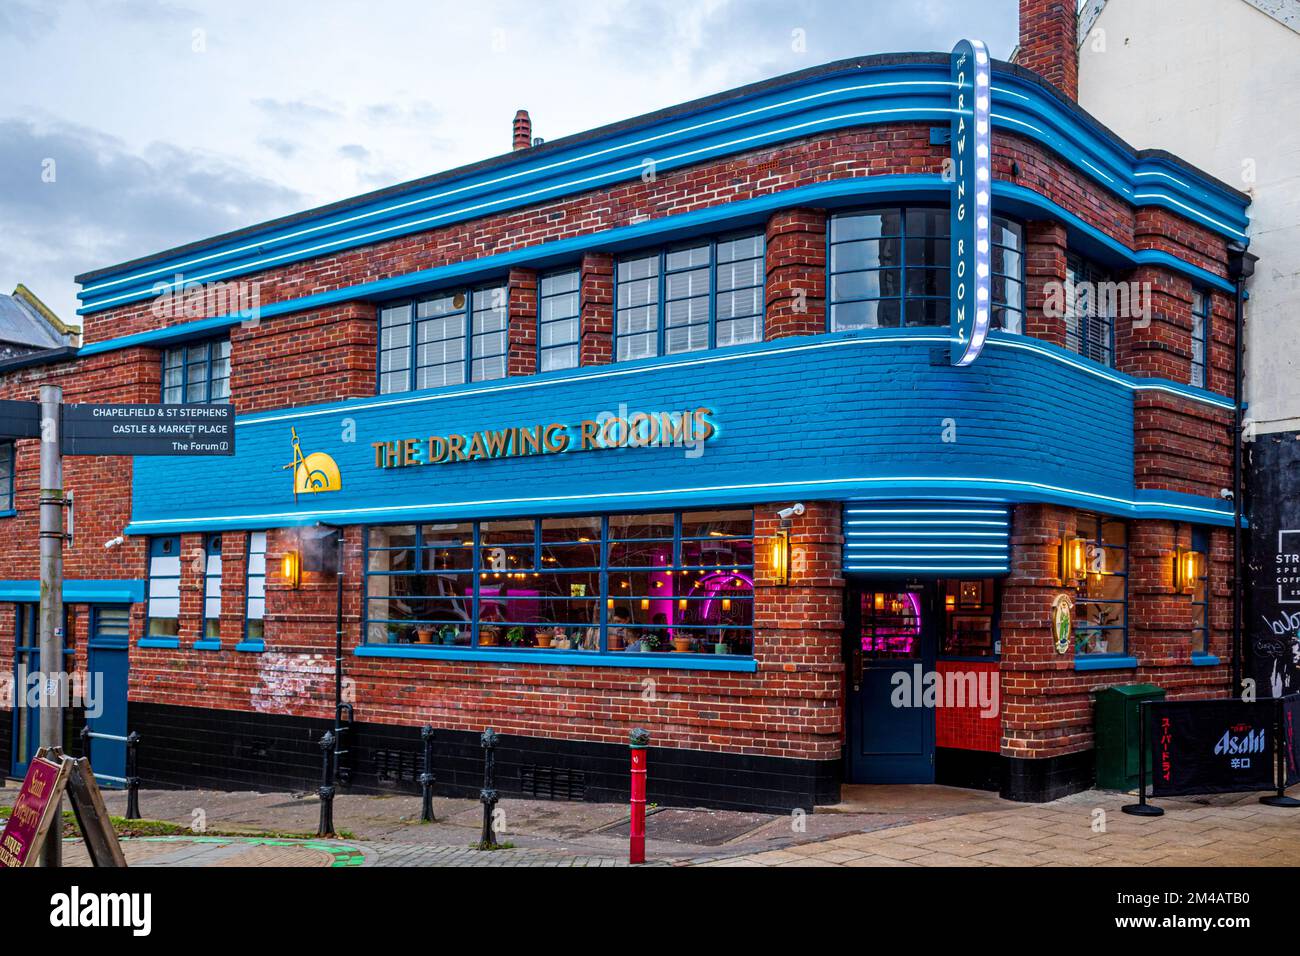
[(656, 426)]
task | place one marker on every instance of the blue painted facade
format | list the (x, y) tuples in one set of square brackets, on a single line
[(842, 417)]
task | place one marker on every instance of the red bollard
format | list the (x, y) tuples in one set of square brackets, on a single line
[(639, 740)]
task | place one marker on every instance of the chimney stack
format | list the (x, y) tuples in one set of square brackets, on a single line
[(523, 130), (1049, 32)]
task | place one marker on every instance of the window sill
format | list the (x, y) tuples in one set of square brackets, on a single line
[(699, 662), (1201, 659), (8, 513), (209, 645), (167, 643), (1106, 662), (251, 647)]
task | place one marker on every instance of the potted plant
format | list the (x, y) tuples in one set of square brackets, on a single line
[(649, 643), (545, 636), (722, 647), (561, 641), (682, 644), (394, 633), (515, 636), (488, 636), (424, 635), (449, 635)]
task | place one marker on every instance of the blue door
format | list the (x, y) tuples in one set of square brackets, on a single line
[(106, 666), (27, 661), (890, 648)]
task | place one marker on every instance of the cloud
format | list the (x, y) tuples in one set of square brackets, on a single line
[(107, 204)]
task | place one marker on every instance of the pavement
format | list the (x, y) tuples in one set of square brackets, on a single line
[(873, 826)]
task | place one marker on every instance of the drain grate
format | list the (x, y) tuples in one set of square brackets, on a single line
[(553, 783)]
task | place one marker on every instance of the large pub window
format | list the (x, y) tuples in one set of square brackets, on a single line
[(668, 583), (1101, 609), (889, 269), (446, 339), (558, 321), (684, 299)]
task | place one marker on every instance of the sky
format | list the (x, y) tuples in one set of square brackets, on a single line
[(132, 126)]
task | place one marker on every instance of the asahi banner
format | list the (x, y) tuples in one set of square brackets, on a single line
[(1215, 746)]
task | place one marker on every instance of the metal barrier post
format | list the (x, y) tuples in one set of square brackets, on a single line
[(426, 778), (1280, 799), (1142, 808), (326, 827), (133, 776), (638, 741), (488, 795)]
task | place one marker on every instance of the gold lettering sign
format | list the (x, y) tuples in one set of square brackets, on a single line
[(678, 429)]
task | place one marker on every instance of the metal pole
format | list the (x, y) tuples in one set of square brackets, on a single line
[(1241, 266), (133, 776), (488, 795), (1142, 808), (638, 741), (1280, 799), (426, 778), (51, 545), (326, 792)]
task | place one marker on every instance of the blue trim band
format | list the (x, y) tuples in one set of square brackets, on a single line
[(853, 95), (108, 591), (697, 662), (1201, 659), (1109, 662)]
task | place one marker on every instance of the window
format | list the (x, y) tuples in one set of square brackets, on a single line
[(255, 581), (8, 459), (702, 296), (1201, 594), (448, 339), (1200, 335), (1101, 608), (969, 626), (558, 321), (164, 599), (659, 583), (212, 586), (1090, 300), (889, 268), (197, 372)]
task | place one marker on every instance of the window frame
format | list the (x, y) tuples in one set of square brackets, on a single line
[(661, 255), (1093, 273), (1096, 537), (903, 268), (1201, 337), (413, 344), (209, 553), (9, 474), (161, 640), (1201, 621), (601, 653), (576, 344), (249, 642), (209, 359)]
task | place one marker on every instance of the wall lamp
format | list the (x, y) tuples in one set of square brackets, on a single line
[(1188, 569), (1072, 560), (781, 556), (291, 568)]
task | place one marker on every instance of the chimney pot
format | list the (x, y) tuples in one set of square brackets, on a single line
[(523, 130)]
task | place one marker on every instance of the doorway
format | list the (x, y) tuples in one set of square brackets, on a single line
[(890, 643), (107, 668)]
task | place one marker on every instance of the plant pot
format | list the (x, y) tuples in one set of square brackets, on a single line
[(449, 640), (722, 648), (424, 635), (487, 638), (681, 645), (544, 638)]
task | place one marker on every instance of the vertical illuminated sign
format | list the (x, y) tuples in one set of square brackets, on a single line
[(972, 182)]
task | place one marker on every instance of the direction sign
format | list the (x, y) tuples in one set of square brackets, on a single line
[(148, 429), (20, 419)]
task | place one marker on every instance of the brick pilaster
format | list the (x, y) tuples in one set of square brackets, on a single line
[(522, 345), (597, 280), (796, 273), (1045, 245)]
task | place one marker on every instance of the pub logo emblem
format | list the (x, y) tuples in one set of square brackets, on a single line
[(313, 473), (1062, 622)]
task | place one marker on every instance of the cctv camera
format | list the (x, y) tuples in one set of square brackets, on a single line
[(785, 514), (112, 543), (1225, 494)]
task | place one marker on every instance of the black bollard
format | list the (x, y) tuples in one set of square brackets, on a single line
[(326, 827), (426, 778), (488, 795), (133, 776)]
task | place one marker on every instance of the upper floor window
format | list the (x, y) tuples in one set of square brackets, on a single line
[(7, 461), (701, 296), (1200, 335), (558, 321), (1089, 310), (197, 372), (1201, 593), (889, 269), (212, 585), (164, 598), (448, 339), (1101, 610)]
